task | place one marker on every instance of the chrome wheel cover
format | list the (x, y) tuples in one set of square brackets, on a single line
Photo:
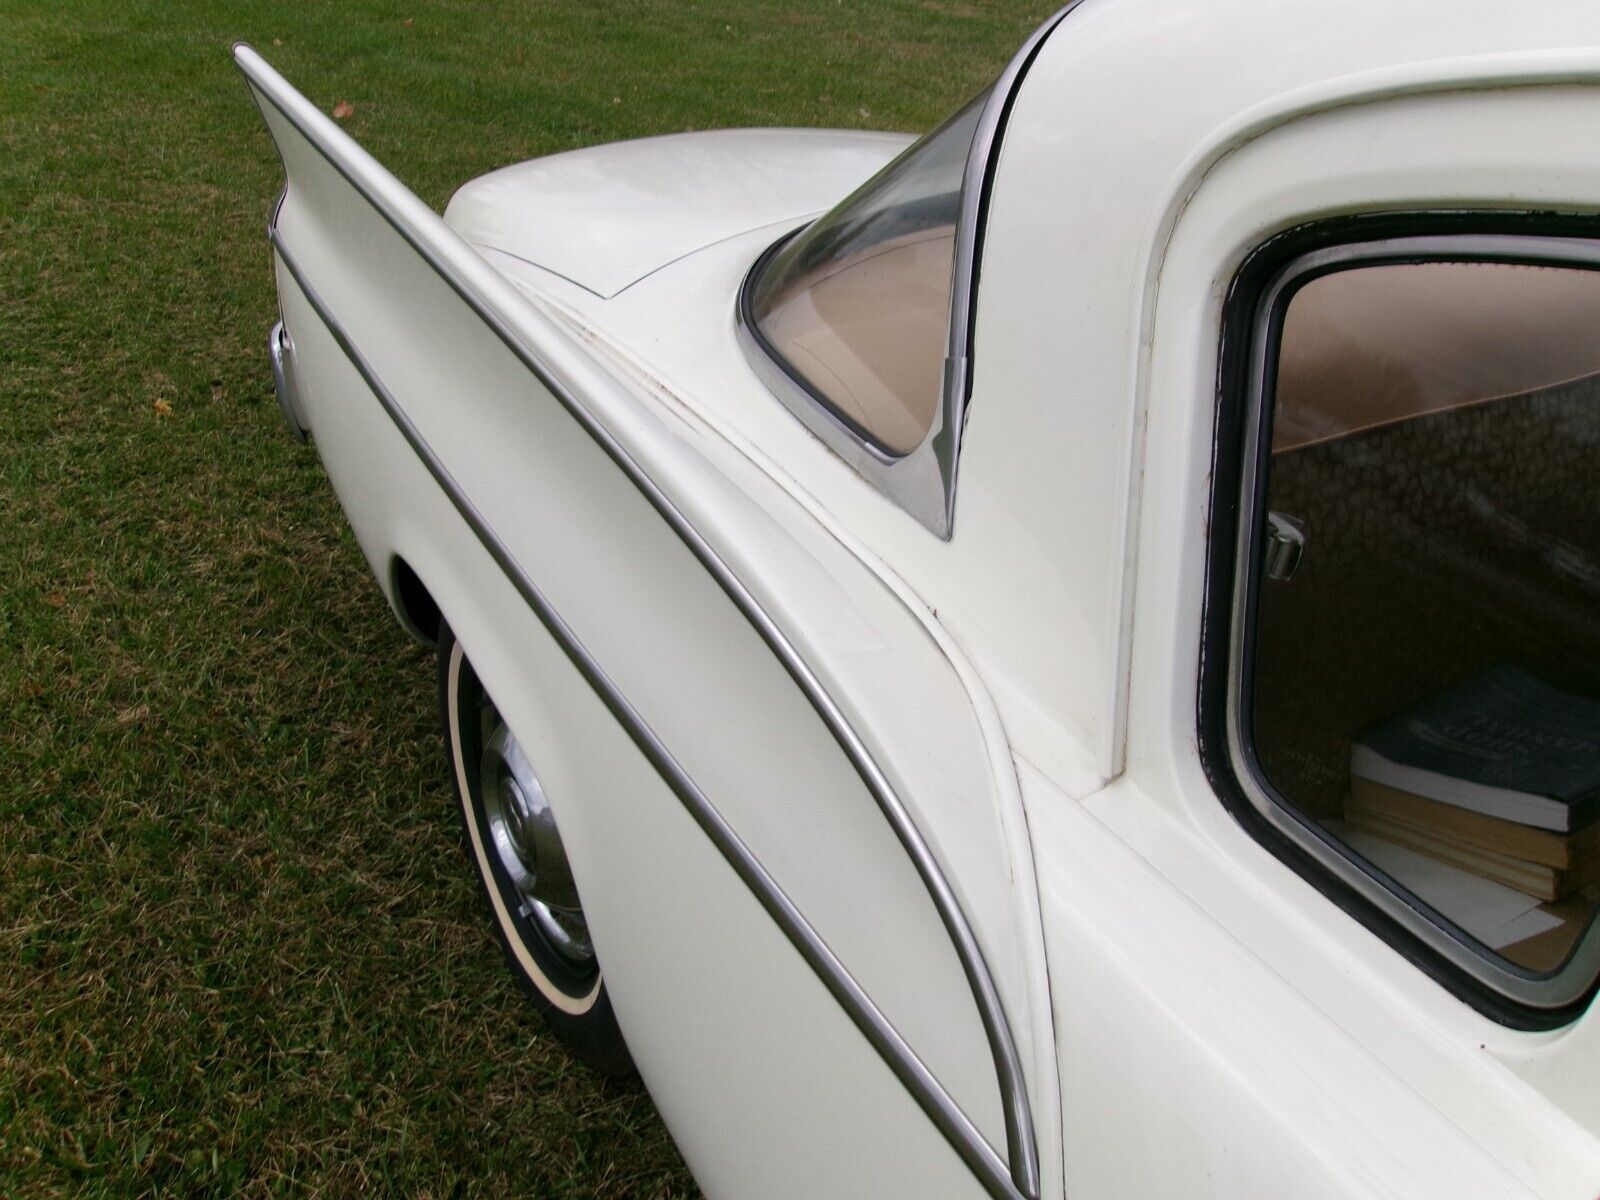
[(523, 838)]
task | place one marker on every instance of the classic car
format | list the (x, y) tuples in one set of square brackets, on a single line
[(1054, 658)]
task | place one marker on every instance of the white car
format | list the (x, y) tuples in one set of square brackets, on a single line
[(1055, 659)]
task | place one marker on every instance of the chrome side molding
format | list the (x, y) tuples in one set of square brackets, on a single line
[(1016, 1175), (963, 1136)]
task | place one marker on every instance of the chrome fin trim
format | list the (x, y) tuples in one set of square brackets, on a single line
[(1016, 1178)]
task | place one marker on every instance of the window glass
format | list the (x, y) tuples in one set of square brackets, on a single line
[(1423, 678), (858, 305)]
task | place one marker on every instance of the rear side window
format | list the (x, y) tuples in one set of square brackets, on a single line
[(1415, 667), (861, 324), (858, 304)]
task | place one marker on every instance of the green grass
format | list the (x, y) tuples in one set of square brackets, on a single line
[(240, 950)]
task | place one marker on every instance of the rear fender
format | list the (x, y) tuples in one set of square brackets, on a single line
[(771, 779)]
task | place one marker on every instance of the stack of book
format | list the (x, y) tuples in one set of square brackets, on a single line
[(1499, 777)]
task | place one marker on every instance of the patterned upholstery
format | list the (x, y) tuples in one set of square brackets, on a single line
[(1435, 547)]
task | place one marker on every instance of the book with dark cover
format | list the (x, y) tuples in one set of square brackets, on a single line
[(1504, 744)]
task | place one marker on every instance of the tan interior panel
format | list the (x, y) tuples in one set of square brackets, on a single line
[(1367, 347), (869, 333)]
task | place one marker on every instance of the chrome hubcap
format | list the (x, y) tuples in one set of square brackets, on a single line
[(522, 835)]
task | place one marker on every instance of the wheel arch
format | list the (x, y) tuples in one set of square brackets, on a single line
[(413, 602)]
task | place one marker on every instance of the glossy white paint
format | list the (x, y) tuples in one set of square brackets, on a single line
[(644, 607), (1193, 1017), (1403, 148), (603, 217)]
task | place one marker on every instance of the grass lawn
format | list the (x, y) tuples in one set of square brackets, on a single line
[(240, 949)]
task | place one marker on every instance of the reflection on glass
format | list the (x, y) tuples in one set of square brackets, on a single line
[(1426, 669), (858, 305)]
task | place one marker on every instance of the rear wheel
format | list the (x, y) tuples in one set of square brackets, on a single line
[(515, 847)]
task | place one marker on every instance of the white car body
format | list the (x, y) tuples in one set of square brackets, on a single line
[(1052, 962)]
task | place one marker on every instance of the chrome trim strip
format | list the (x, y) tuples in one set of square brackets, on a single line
[(1018, 1177), (280, 350), (1426, 923), (963, 1136)]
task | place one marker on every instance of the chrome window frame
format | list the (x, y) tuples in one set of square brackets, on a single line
[(1513, 995), (922, 481)]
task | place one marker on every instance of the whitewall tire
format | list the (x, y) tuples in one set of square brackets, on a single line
[(515, 848)]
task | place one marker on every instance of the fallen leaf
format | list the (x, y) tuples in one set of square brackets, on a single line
[(407, 22), (277, 41), (865, 112), (56, 600), (616, 99), (162, 406), (343, 109)]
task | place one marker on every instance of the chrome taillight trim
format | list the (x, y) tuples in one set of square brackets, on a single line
[(280, 352)]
